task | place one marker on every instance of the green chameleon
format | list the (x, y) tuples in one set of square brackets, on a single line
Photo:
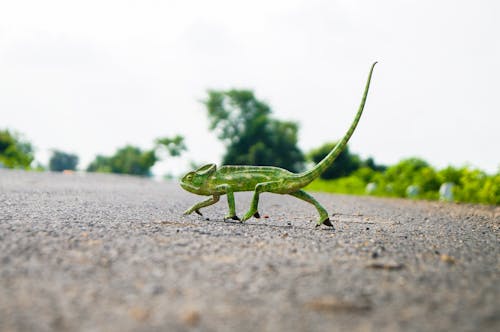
[(210, 181)]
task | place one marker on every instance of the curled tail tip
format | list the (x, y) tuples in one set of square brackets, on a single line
[(374, 64)]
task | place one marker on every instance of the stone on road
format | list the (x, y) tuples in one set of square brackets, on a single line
[(87, 252)]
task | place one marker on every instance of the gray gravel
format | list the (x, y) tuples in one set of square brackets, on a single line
[(93, 252)]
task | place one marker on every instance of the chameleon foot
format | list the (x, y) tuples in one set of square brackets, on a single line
[(256, 215), (198, 212), (325, 222), (247, 216), (187, 212), (235, 217)]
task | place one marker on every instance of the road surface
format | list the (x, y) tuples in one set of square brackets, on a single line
[(95, 252)]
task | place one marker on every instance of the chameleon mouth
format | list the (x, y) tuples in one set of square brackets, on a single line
[(189, 187)]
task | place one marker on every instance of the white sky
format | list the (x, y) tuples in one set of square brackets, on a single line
[(91, 76)]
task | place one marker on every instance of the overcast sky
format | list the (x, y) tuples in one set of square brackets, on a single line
[(89, 77)]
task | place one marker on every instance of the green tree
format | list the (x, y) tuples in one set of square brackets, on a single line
[(251, 135), (15, 152), (135, 161), (370, 163), (127, 160), (345, 164), (60, 161), (173, 146)]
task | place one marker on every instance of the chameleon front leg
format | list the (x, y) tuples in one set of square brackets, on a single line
[(230, 201), (323, 215), (196, 208), (259, 188)]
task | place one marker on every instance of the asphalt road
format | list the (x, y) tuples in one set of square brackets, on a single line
[(113, 253)]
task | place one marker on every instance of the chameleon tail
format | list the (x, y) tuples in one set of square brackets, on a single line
[(310, 175)]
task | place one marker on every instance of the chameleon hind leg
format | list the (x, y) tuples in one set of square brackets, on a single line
[(259, 188), (323, 215), (196, 208)]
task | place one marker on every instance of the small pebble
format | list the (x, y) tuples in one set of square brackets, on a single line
[(191, 317), (447, 259), (139, 314)]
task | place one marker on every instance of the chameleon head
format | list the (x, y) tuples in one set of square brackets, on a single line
[(195, 181)]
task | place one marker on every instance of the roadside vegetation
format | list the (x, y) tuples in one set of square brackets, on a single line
[(252, 136), (414, 178), (15, 150)]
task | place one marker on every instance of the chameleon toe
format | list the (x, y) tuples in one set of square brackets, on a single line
[(256, 215), (198, 212), (235, 218)]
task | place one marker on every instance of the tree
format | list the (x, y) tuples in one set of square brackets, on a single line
[(251, 135), (101, 164), (345, 164), (14, 151), (127, 160), (135, 161), (60, 161), (370, 163), (174, 146)]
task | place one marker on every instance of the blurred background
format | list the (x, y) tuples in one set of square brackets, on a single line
[(155, 88)]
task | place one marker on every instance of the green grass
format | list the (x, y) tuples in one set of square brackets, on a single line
[(470, 185), (347, 185)]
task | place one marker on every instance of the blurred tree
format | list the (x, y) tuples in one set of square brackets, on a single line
[(135, 161), (14, 151), (345, 164), (101, 164), (251, 136), (127, 160), (370, 163), (60, 161), (174, 146)]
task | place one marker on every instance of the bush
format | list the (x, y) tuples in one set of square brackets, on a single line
[(416, 177), (15, 152)]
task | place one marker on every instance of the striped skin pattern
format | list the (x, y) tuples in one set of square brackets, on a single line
[(210, 181)]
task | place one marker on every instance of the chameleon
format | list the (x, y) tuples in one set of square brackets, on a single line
[(208, 180)]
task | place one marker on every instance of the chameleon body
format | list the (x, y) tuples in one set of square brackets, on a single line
[(210, 181)]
